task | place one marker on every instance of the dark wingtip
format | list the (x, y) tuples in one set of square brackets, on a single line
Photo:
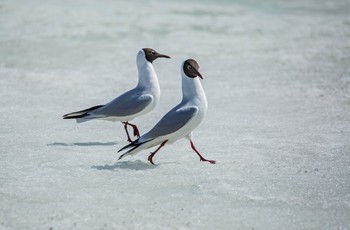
[(121, 156), (127, 146), (72, 117), (81, 113)]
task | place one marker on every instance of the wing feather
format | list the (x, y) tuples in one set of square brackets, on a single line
[(174, 120), (125, 105)]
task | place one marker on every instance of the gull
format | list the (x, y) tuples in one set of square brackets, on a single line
[(133, 103), (180, 121)]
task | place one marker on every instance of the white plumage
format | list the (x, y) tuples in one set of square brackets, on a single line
[(133, 103), (180, 121)]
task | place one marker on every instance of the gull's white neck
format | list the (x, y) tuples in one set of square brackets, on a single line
[(192, 92), (147, 75)]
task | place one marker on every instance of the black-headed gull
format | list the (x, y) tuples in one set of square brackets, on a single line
[(180, 121), (133, 103)]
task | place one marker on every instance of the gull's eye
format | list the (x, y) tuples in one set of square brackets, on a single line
[(153, 52), (189, 67)]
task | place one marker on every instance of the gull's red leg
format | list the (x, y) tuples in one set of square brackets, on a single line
[(126, 130), (150, 157), (136, 130), (200, 156)]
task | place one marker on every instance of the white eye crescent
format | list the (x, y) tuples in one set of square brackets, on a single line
[(189, 67), (153, 52)]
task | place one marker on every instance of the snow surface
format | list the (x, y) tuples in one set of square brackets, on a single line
[(277, 78)]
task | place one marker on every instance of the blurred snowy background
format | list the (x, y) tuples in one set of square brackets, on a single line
[(277, 77)]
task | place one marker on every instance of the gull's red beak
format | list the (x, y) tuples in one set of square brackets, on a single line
[(163, 56), (199, 74)]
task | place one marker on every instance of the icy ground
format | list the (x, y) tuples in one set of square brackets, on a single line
[(277, 77)]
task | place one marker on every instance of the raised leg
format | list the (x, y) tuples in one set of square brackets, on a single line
[(200, 156), (150, 157), (126, 130), (136, 130)]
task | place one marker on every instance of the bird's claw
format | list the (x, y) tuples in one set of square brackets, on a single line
[(150, 158), (210, 161), (136, 132)]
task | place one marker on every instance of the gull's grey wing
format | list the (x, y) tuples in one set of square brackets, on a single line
[(172, 121), (125, 105)]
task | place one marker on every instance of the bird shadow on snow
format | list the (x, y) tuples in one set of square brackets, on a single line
[(83, 143), (133, 165)]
